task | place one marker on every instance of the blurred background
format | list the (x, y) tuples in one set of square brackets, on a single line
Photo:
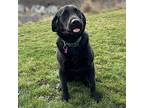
[(35, 10)]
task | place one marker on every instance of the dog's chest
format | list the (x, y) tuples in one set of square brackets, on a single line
[(72, 51), (76, 68), (75, 63), (75, 59)]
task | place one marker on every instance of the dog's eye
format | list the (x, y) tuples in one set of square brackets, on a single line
[(65, 15), (77, 12), (65, 12), (75, 9)]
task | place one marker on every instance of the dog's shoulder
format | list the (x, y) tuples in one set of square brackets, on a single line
[(59, 42), (85, 39), (86, 46)]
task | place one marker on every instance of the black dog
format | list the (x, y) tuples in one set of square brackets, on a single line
[(74, 54)]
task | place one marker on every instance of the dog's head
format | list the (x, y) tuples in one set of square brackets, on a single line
[(69, 22)]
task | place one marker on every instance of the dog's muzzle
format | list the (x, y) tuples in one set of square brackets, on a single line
[(76, 25)]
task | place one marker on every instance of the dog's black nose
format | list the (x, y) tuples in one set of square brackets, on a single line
[(75, 22)]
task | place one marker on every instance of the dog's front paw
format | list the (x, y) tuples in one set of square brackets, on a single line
[(65, 97), (97, 97)]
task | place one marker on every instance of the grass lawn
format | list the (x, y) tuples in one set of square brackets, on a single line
[(38, 67)]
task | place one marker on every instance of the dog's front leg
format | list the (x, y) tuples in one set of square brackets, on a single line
[(94, 94), (65, 94)]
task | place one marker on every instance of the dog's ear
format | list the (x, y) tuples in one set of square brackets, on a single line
[(84, 19), (55, 23)]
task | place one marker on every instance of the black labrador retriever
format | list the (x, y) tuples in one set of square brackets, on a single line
[(74, 54)]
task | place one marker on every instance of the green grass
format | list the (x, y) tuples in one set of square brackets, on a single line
[(38, 67)]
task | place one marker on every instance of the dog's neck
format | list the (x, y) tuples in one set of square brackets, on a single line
[(66, 45), (74, 44)]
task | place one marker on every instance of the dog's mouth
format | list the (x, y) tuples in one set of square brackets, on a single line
[(73, 30), (76, 30)]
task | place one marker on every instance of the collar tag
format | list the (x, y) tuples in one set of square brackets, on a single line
[(65, 48)]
